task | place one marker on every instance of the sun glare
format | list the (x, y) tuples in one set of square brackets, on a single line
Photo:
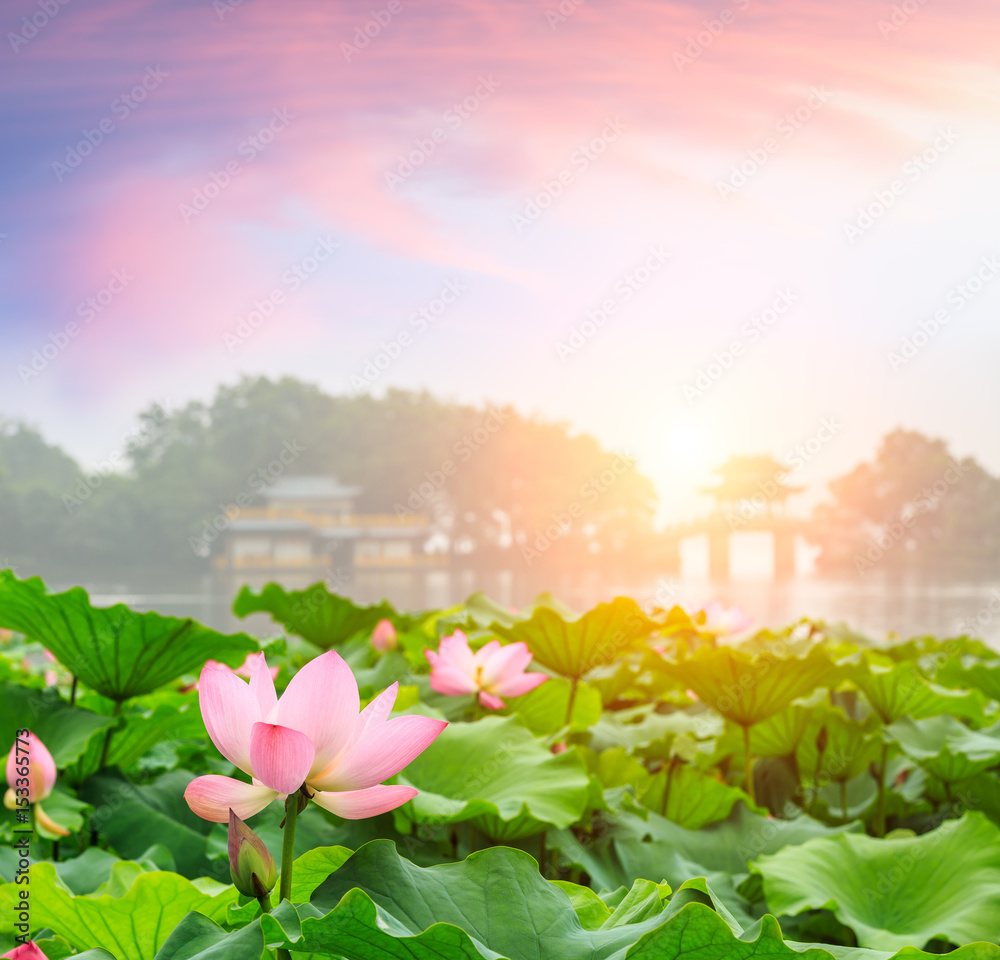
[(687, 443)]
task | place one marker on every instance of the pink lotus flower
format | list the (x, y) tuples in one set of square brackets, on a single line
[(313, 736), (722, 621), (39, 782), (384, 636), (27, 951), (493, 671)]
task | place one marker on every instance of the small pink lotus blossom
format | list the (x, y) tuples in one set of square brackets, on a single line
[(493, 671), (313, 736), (384, 636), (27, 951), (39, 782), (722, 621)]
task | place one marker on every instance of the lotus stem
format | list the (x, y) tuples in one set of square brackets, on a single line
[(115, 713), (288, 846), (843, 799), (666, 786), (880, 817), (749, 765), (541, 852), (572, 701), (72, 692)]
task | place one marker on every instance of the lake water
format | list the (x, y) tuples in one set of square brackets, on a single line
[(874, 606)]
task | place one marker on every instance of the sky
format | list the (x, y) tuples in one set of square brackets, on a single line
[(691, 229)]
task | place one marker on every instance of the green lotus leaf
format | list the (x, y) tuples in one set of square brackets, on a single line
[(323, 618), (132, 817), (66, 731), (162, 718), (495, 774), (640, 727), (971, 672), (645, 845), (947, 748), (780, 735), (130, 926), (896, 690), (574, 647), (114, 650), (899, 892), (748, 689), (197, 937), (690, 798), (544, 709)]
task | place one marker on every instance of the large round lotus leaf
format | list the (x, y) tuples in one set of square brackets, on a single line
[(899, 892), (114, 650), (575, 647), (497, 775), (323, 618), (749, 688)]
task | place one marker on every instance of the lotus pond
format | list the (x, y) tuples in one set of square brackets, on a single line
[(476, 782)]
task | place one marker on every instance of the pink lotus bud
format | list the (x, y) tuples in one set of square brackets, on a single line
[(31, 768), (27, 951), (250, 862), (384, 636)]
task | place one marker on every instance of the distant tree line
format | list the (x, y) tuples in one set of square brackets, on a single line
[(500, 487), (502, 490)]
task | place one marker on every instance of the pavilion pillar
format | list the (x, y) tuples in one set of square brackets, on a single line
[(718, 554), (784, 554)]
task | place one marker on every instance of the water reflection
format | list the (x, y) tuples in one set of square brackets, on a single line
[(873, 606)]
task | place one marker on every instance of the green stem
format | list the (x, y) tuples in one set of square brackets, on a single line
[(843, 799), (541, 853), (572, 701), (816, 773), (749, 764), (288, 846), (116, 712), (666, 786), (72, 692), (265, 903), (880, 817)]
